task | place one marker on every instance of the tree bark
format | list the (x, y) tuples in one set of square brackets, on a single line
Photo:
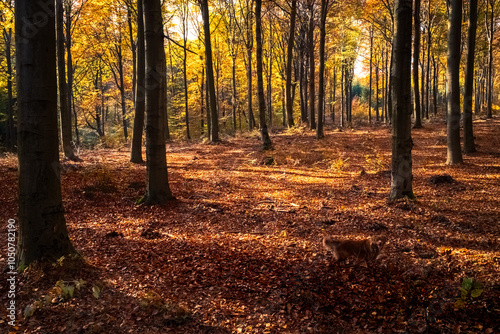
[(266, 140), (469, 146), (157, 186), (214, 116), (416, 56), (43, 234), (10, 129), (454, 153), (321, 80), (401, 173), (312, 69), (288, 85), (370, 82), (65, 112), (489, 111), (140, 99)]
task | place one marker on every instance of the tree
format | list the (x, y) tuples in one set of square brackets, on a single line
[(416, 55), (266, 140), (321, 82), (157, 186), (288, 85), (213, 113), (312, 67), (469, 146), (140, 100), (401, 173), (491, 32), (43, 233), (454, 153), (66, 136)]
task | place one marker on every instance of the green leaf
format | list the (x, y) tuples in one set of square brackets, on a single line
[(467, 283), (476, 293), (79, 283), (96, 291), (29, 310)]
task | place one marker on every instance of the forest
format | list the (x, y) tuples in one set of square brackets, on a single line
[(249, 166)]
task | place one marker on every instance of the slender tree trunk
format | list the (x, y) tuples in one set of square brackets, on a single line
[(401, 174), (334, 97), (288, 94), (140, 99), (321, 81), (454, 153), (342, 95), (377, 115), (184, 64), (489, 112), (214, 116), (269, 78), (435, 84), (133, 48), (266, 140), (66, 136), (312, 69), (42, 228), (427, 79), (157, 186), (122, 88), (416, 55), (10, 130), (469, 146), (370, 84)]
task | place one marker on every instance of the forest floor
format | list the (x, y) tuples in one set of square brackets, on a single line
[(239, 250)]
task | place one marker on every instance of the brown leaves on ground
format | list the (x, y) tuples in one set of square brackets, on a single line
[(239, 250)]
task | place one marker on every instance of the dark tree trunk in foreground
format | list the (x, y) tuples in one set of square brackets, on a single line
[(453, 84), (212, 112), (416, 55), (321, 82), (66, 136), (266, 140), (42, 227), (401, 174), (157, 187), (288, 94), (469, 146), (140, 99)]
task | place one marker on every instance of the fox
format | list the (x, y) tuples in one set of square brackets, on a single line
[(366, 249)]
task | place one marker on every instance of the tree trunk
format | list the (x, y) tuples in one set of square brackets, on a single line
[(469, 146), (454, 153), (157, 186), (184, 64), (140, 100), (69, 66), (416, 55), (489, 111), (214, 116), (42, 228), (121, 86), (321, 80), (133, 48), (288, 98), (401, 174), (312, 69), (10, 129), (370, 82), (266, 140), (66, 136)]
